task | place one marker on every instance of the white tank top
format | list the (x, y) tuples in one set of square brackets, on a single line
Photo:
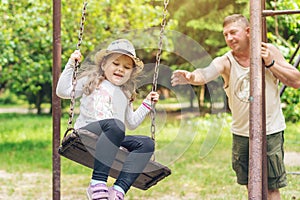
[(238, 92)]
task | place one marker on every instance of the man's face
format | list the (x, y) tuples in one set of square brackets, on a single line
[(236, 36)]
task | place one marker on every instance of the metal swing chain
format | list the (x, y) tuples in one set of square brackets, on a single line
[(74, 80), (156, 68)]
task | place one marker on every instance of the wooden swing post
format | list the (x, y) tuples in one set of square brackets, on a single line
[(257, 106), (258, 182), (56, 106)]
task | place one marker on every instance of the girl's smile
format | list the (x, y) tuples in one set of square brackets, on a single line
[(118, 69)]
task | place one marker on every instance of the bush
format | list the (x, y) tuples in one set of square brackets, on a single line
[(291, 99), (10, 98)]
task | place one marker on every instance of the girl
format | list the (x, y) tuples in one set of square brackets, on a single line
[(107, 91)]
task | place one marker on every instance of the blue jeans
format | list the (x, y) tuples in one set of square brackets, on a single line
[(111, 136)]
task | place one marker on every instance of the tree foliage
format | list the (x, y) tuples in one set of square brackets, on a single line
[(26, 37), (25, 48), (202, 20)]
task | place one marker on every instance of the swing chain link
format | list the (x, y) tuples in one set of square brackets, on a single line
[(156, 68), (80, 33), (74, 76)]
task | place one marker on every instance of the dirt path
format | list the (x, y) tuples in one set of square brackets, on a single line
[(292, 158)]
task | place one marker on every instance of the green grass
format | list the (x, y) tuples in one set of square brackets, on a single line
[(197, 150)]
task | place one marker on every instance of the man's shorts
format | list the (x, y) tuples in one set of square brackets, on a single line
[(276, 170)]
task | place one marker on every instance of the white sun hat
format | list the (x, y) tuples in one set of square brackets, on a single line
[(121, 46)]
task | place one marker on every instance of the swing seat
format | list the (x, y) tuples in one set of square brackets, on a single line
[(79, 146)]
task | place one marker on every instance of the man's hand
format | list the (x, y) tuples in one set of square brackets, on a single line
[(182, 77), (266, 54)]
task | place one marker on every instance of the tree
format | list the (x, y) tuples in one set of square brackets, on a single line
[(26, 38), (25, 50)]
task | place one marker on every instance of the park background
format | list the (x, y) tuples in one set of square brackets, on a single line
[(26, 80)]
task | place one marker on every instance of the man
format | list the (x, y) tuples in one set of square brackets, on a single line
[(234, 67)]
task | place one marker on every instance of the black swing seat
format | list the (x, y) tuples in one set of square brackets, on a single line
[(79, 146)]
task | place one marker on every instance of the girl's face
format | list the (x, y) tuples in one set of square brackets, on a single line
[(118, 69)]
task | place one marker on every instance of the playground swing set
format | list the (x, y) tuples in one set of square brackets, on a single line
[(79, 145)]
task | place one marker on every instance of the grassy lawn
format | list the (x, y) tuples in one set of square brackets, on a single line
[(197, 150)]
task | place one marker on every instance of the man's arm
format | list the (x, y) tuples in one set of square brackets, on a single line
[(200, 76), (281, 69)]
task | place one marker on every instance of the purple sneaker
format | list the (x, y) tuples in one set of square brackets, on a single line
[(97, 192), (115, 195)]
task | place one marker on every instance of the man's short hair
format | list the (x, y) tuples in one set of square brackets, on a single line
[(236, 18)]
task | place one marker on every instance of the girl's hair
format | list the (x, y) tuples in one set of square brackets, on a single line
[(236, 18), (95, 76)]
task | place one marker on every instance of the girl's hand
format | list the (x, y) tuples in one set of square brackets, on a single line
[(153, 96), (76, 56)]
